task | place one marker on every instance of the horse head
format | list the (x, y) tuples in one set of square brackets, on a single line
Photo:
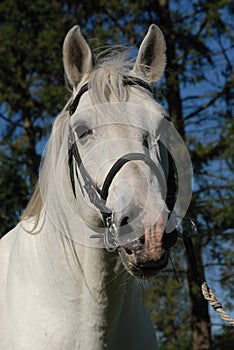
[(120, 171)]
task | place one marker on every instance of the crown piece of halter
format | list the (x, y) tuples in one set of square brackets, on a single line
[(126, 81)]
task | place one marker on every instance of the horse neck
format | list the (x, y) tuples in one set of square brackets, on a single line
[(86, 279), (92, 278)]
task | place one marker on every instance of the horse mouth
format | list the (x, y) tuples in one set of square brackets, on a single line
[(139, 264)]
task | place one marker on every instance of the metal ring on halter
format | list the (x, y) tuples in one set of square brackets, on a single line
[(109, 235), (192, 227)]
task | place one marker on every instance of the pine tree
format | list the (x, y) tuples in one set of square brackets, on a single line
[(32, 91), (197, 86)]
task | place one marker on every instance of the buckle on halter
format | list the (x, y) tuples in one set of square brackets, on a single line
[(110, 241)]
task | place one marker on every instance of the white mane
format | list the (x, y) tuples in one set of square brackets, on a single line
[(35, 205), (107, 77)]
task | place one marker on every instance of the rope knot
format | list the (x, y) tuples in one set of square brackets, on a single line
[(217, 306)]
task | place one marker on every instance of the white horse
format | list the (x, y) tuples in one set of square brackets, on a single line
[(59, 287)]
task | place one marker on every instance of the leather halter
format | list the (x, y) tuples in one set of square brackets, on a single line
[(99, 196)]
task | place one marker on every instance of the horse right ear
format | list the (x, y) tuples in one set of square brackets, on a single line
[(77, 56)]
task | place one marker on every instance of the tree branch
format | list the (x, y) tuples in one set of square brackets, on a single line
[(11, 121), (205, 105)]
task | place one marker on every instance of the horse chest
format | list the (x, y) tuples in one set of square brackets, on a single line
[(43, 313), (32, 319)]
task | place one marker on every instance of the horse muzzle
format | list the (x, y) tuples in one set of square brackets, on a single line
[(146, 256)]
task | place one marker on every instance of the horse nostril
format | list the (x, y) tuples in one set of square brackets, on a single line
[(128, 251), (124, 221), (142, 239), (125, 228)]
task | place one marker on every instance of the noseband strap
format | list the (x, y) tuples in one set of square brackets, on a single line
[(99, 196), (120, 163)]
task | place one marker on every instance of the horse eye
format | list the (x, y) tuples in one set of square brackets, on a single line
[(146, 141), (83, 131)]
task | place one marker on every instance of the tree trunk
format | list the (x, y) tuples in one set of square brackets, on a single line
[(172, 72), (200, 320)]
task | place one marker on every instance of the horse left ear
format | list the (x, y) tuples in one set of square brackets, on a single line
[(151, 60), (77, 56)]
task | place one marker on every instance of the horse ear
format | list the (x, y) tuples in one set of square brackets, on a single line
[(77, 56), (151, 60)]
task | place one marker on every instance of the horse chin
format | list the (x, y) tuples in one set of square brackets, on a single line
[(138, 264)]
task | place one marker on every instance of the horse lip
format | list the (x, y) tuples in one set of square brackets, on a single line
[(146, 269)]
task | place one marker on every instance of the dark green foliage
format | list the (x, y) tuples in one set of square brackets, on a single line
[(32, 90), (13, 195), (223, 340), (198, 87)]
